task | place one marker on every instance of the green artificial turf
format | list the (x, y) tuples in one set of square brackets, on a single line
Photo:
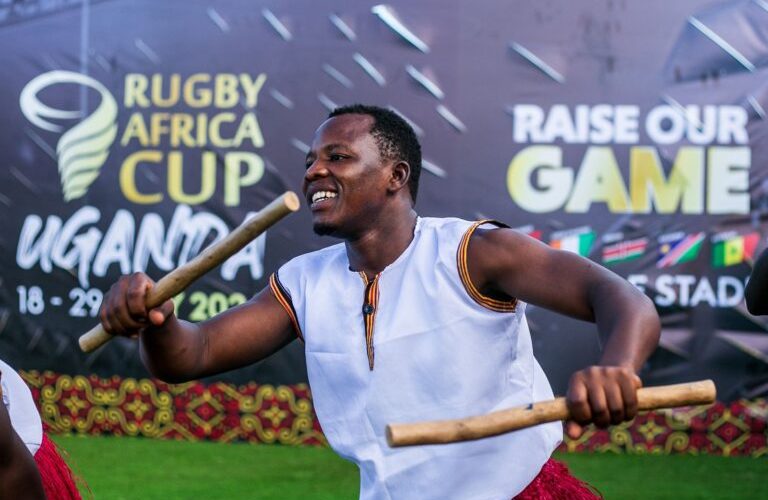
[(671, 476), (131, 468)]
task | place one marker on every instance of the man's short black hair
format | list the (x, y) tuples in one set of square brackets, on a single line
[(395, 137)]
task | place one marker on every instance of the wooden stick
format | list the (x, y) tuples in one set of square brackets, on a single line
[(500, 422), (180, 278)]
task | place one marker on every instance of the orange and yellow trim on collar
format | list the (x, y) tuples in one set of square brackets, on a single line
[(370, 306), (284, 298), (461, 259)]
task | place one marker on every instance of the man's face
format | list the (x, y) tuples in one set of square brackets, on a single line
[(346, 180)]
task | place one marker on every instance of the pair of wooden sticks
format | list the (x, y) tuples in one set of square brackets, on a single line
[(446, 431)]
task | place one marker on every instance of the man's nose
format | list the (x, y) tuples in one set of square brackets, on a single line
[(315, 171)]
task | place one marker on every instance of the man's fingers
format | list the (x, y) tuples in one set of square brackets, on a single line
[(615, 400), (629, 395), (136, 296), (599, 406), (578, 401), (127, 322), (109, 320), (123, 311), (160, 315), (573, 430)]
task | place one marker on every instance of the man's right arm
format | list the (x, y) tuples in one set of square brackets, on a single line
[(176, 350)]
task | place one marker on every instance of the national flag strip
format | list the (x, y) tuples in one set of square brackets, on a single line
[(735, 249), (624, 251), (683, 249), (580, 243)]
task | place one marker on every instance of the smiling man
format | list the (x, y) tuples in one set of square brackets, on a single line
[(410, 319)]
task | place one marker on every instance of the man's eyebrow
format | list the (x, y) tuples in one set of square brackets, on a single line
[(326, 148)]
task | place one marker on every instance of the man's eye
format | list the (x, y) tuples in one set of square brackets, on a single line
[(335, 157)]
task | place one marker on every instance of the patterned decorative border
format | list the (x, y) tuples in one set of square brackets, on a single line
[(283, 414), (738, 428), (192, 411)]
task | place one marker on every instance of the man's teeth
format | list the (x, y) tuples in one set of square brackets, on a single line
[(322, 195)]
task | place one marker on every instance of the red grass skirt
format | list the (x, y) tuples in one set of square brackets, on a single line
[(555, 482), (58, 481)]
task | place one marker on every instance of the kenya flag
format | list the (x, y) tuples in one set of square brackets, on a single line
[(624, 251)]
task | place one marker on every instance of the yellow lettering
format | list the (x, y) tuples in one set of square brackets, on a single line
[(136, 128), (202, 129), (234, 181), (176, 178), (682, 190), (554, 181), (252, 88), (214, 130), (135, 91), (226, 91), (181, 130), (158, 126), (598, 180), (249, 129), (194, 97), (128, 177), (173, 91)]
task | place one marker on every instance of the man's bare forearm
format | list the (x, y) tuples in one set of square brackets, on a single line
[(628, 324), (173, 352)]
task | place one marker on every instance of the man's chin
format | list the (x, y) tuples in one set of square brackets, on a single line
[(323, 229)]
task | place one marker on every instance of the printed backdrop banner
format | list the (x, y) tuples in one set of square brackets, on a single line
[(135, 133)]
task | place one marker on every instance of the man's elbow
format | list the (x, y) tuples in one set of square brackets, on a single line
[(651, 321), (169, 377), (165, 372), (168, 374)]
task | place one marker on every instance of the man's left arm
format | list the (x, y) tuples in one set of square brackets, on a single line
[(504, 263)]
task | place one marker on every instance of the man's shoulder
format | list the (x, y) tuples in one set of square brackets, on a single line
[(444, 229), (312, 260), (443, 223)]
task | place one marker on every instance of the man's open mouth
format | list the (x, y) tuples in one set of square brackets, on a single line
[(322, 196)]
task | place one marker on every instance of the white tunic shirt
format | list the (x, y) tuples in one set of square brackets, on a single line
[(17, 399), (418, 342)]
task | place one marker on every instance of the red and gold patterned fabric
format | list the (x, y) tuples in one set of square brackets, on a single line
[(283, 414), (737, 428), (191, 411)]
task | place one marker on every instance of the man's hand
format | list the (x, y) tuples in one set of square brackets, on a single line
[(124, 311), (603, 395)]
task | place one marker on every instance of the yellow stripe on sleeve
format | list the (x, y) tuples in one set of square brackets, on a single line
[(284, 299), (477, 296)]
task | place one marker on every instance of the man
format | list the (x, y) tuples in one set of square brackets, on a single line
[(410, 319), (756, 293), (19, 477), (30, 465)]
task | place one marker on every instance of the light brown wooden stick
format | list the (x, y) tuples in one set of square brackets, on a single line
[(493, 424), (180, 278)]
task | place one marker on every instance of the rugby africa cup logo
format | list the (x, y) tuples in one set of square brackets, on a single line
[(82, 149)]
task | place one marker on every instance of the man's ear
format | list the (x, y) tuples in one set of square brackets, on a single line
[(401, 173)]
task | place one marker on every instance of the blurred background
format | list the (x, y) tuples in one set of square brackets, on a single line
[(135, 133)]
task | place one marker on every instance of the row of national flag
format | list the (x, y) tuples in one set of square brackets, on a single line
[(728, 248)]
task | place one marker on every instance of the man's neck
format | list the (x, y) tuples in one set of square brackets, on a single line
[(382, 245)]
